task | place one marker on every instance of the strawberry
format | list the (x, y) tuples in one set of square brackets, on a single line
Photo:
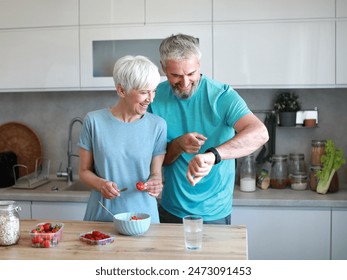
[(140, 186)]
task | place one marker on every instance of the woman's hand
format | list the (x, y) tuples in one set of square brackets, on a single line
[(109, 190)]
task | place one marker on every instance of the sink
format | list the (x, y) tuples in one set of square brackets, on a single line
[(57, 185)]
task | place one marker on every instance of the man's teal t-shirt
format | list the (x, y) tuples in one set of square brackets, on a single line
[(212, 111)]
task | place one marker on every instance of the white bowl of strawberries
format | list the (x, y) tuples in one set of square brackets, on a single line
[(46, 235)]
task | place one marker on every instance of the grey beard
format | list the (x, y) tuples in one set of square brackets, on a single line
[(185, 95)]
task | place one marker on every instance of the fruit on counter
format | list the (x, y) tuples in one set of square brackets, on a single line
[(95, 235), (134, 218), (332, 160), (96, 238), (140, 186), (46, 235)]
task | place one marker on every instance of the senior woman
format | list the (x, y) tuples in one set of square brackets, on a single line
[(124, 144)]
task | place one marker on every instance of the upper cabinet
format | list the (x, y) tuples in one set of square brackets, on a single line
[(38, 13), (275, 43), (235, 10), (117, 41), (341, 43), (282, 54), (39, 47), (158, 11), (39, 59), (112, 11)]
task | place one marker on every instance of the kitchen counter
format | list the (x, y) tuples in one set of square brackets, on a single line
[(160, 242), (270, 197)]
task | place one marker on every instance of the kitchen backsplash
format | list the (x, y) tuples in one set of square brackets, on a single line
[(49, 115)]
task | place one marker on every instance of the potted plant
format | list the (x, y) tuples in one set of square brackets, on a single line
[(286, 105)]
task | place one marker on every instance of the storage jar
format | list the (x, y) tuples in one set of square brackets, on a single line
[(317, 150), (9, 222), (297, 163), (279, 172)]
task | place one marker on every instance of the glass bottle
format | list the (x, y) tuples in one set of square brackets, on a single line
[(279, 172), (317, 150), (9, 222), (297, 164), (248, 174)]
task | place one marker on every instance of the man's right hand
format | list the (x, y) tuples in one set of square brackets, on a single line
[(191, 143)]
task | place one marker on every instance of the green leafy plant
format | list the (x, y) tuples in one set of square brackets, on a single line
[(332, 160), (287, 102)]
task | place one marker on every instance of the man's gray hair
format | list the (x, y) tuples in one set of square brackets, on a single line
[(179, 47)]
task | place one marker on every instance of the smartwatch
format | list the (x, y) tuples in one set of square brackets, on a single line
[(216, 154)]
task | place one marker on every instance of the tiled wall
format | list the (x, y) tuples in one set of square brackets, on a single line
[(49, 114)]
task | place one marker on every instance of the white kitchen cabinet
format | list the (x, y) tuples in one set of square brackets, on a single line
[(25, 212), (178, 11), (341, 8), (38, 13), (226, 10), (275, 54), (339, 234), (112, 11), (58, 210), (341, 53), (39, 59), (90, 35), (284, 233)]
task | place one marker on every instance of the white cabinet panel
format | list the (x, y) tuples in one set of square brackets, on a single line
[(178, 11), (276, 233), (341, 52), (224, 10), (39, 59), (112, 11), (90, 34), (25, 212), (275, 54), (339, 234), (341, 8), (38, 13), (58, 210)]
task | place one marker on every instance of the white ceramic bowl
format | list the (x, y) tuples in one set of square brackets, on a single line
[(126, 225)]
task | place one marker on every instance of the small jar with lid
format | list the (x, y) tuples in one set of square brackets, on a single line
[(248, 174), (297, 163), (9, 222), (298, 181), (279, 172), (317, 150)]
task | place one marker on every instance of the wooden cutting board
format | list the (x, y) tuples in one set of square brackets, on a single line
[(23, 141)]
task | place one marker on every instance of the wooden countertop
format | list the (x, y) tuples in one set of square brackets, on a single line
[(161, 242)]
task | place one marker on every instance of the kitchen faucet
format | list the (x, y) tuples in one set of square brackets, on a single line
[(70, 154)]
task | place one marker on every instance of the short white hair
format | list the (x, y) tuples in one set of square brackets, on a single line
[(135, 72)]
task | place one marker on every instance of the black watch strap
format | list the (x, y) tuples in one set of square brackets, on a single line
[(216, 154)]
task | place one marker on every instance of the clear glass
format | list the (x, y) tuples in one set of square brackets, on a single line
[(279, 172), (248, 174), (9, 223), (193, 227)]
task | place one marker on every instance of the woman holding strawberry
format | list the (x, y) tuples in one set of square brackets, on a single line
[(124, 144)]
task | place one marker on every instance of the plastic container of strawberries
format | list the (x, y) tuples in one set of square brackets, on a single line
[(46, 239)]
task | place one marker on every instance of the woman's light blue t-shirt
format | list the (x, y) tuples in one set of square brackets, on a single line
[(122, 154)]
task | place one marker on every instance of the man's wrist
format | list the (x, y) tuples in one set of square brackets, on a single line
[(216, 154)]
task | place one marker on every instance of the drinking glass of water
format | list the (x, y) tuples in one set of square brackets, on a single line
[(192, 225)]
